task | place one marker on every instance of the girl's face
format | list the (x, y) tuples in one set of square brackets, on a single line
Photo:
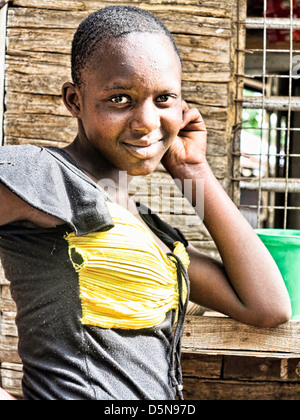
[(130, 102)]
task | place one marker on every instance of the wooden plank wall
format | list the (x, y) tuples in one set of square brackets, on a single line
[(226, 360), (237, 378), (39, 34), (3, 15)]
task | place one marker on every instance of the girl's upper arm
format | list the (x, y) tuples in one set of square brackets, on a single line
[(12, 208), (211, 287)]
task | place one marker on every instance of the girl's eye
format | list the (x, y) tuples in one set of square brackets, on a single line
[(120, 100), (166, 99)]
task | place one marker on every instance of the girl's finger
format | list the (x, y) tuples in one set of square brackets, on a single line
[(193, 127), (193, 121)]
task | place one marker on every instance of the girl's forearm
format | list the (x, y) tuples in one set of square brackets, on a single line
[(221, 216), (248, 264)]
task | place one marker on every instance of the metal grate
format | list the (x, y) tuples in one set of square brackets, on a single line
[(267, 140)]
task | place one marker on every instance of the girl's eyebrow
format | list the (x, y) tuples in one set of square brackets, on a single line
[(118, 87)]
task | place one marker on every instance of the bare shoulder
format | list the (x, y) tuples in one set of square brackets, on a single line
[(11, 207), (14, 209)]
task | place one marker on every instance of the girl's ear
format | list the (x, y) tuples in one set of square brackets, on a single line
[(70, 94)]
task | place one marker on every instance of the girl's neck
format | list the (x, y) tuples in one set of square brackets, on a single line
[(97, 168)]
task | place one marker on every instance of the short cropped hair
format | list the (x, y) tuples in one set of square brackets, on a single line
[(106, 24)]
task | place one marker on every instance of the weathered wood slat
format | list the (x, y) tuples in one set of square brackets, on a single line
[(37, 142), (204, 48), (8, 313), (3, 20), (176, 21), (258, 369), (216, 8), (9, 350), (40, 84), (8, 326), (201, 366), (44, 39), (6, 294), (239, 368), (6, 302), (206, 72), (11, 375), (208, 8), (206, 93), (47, 127), (32, 62), (212, 390), (53, 5), (39, 39), (21, 103), (2, 276), (219, 335)]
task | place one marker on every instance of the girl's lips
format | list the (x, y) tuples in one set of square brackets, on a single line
[(144, 152)]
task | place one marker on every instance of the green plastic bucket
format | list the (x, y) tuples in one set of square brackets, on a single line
[(284, 246)]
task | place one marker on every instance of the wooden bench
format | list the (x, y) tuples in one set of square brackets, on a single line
[(224, 359)]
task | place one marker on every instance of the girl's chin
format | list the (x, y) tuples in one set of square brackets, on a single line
[(142, 170), (142, 167)]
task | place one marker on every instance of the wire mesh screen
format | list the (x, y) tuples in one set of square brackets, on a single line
[(267, 146)]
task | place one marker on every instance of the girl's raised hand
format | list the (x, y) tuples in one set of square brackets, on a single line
[(189, 147)]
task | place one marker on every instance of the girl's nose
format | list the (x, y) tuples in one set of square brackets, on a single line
[(146, 118)]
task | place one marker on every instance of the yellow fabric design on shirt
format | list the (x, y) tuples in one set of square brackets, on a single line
[(126, 280)]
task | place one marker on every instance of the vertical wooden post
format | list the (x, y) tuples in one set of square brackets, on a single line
[(3, 19)]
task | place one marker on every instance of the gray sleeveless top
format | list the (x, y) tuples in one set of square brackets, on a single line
[(62, 358)]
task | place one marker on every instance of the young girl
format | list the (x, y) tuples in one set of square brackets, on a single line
[(97, 287)]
